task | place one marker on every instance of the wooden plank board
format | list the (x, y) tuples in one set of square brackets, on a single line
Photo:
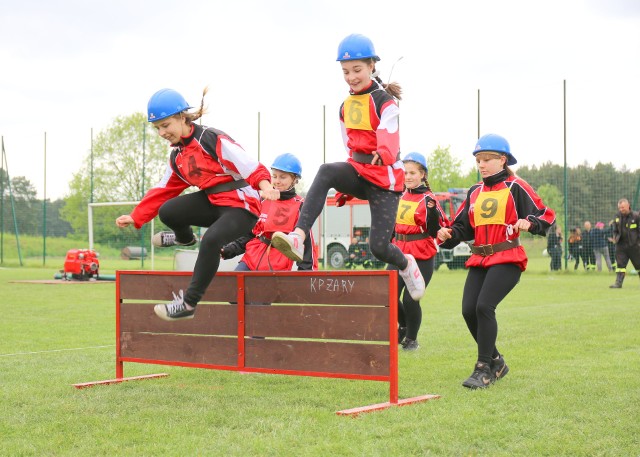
[(318, 289), (180, 348), (317, 356), (208, 320), (159, 287), (322, 322)]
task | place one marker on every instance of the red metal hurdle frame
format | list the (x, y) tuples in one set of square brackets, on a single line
[(333, 324)]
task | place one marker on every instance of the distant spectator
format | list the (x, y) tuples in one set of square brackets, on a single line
[(554, 247), (611, 244), (575, 245), (600, 246), (588, 256)]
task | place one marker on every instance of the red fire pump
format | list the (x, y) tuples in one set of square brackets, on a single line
[(82, 264)]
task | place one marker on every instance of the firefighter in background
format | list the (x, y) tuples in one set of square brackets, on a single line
[(554, 247), (626, 234), (230, 185), (281, 214), (495, 211), (372, 171), (418, 219), (354, 255)]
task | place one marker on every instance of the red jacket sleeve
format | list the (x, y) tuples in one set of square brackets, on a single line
[(170, 186)]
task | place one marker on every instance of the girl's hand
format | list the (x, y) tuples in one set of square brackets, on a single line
[(376, 159), (521, 224), (124, 221), (267, 192), (444, 234), (270, 194)]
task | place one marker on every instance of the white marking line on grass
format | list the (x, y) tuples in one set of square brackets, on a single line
[(57, 350)]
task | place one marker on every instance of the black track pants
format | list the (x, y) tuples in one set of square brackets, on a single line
[(224, 225), (483, 290), (383, 204)]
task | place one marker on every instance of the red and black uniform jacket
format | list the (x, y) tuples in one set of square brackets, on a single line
[(278, 215), (369, 123), (204, 159), (489, 212), (414, 218)]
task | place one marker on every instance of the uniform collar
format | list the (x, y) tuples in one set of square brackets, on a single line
[(421, 189), (495, 179), (185, 140), (287, 194), (372, 87)]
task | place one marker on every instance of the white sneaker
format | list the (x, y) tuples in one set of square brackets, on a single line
[(168, 239), (175, 310), (413, 278), (290, 245)]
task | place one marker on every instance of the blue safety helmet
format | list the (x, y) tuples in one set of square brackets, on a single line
[(289, 163), (495, 143), (356, 47), (418, 158), (165, 103)]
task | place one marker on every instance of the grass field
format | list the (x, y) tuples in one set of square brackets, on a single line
[(573, 346)]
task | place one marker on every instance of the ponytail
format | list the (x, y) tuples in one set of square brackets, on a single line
[(392, 89), (194, 116)]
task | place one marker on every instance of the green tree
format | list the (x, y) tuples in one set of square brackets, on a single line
[(553, 198), (122, 171), (24, 204), (445, 171)]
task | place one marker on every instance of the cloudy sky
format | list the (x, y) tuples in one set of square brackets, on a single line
[(67, 67)]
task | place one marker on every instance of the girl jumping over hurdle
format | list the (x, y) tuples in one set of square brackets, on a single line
[(373, 171), (230, 185)]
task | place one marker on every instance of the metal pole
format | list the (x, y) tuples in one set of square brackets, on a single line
[(323, 238), (13, 206), (144, 148), (91, 170), (478, 133), (566, 209), (2, 175), (44, 206), (90, 225)]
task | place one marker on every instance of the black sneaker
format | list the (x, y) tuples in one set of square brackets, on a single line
[(175, 310), (481, 378), (402, 332), (410, 345), (499, 368), (168, 239)]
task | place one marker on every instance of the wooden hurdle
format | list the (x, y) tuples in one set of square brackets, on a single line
[(334, 324)]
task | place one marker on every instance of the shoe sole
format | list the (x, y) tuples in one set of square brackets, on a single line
[(162, 315), (503, 374), (475, 387), (285, 248)]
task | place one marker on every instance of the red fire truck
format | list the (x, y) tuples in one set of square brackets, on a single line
[(336, 227)]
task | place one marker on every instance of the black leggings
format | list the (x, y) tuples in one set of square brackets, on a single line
[(225, 224), (383, 205), (483, 290), (409, 310)]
